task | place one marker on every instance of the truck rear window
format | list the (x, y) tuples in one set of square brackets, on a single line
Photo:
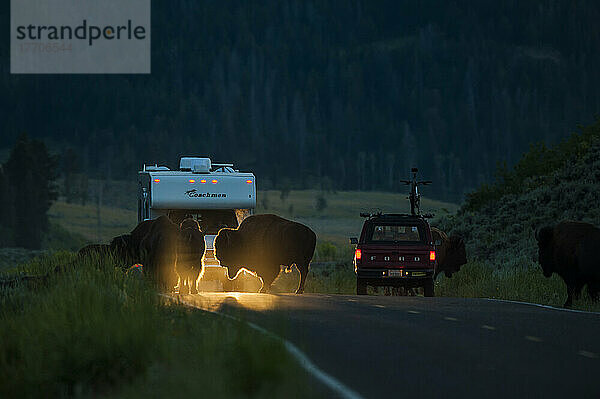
[(393, 233)]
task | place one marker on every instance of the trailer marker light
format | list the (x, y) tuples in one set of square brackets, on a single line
[(202, 181), (358, 254), (156, 180), (432, 255), (249, 181), (214, 182), (192, 181)]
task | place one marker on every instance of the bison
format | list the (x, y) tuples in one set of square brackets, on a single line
[(190, 249), (451, 253), (158, 250), (569, 249), (119, 247), (262, 244), (94, 249), (164, 248)]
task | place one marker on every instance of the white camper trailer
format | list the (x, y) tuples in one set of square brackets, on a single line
[(216, 195)]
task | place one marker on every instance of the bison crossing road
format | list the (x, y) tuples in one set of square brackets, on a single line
[(264, 243), (172, 253), (417, 347)]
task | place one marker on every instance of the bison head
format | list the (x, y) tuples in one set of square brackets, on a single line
[(544, 238), (456, 255), (189, 223), (227, 247), (122, 247)]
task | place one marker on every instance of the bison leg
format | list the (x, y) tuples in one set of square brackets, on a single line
[(573, 291), (185, 282), (184, 285), (593, 289), (268, 278), (303, 268), (194, 282)]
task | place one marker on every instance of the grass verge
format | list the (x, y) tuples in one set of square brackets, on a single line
[(94, 331), (527, 284), (475, 280)]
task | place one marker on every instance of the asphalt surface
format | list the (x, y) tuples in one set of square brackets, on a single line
[(419, 347)]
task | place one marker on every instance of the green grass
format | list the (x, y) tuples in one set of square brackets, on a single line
[(10, 257), (83, 220), (58, 238), (527, 284), (94, 331), (336, 223)]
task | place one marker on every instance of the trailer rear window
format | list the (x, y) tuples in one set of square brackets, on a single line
[(393, 233)]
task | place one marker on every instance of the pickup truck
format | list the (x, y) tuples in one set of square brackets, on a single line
[(394, 250)]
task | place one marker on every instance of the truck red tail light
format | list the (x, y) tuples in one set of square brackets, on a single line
[(358, 254), (156, 180), (431, 255)]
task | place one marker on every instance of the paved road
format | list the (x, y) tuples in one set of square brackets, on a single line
[(419, 347)]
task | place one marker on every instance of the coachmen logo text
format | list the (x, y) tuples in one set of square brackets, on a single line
[(195, 194)]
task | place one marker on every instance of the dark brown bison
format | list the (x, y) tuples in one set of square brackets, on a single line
[(190, 249), (451, 253), (158, 250), (118, 247), (262, 244), (94, 249), (159, 244), (138, 234), (121, 247), (569, 249)]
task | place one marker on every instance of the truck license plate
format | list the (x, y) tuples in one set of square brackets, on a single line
[(395, 273), (418, 274)]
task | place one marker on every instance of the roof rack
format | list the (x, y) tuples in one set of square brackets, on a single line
[(394, 215)]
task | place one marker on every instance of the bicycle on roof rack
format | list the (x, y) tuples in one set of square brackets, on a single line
[(414, 196)]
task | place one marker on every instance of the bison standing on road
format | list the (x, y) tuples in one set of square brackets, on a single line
[(262, 244), (158, 250), (569, 249), (190, 249), (451, 253)]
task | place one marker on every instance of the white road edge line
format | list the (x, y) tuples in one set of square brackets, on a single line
[(331, 382), (541, 306)]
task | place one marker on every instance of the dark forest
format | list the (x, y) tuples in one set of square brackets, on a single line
[(345, 95)]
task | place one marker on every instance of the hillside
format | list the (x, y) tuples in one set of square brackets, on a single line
[(313, 93), (546, 186)]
